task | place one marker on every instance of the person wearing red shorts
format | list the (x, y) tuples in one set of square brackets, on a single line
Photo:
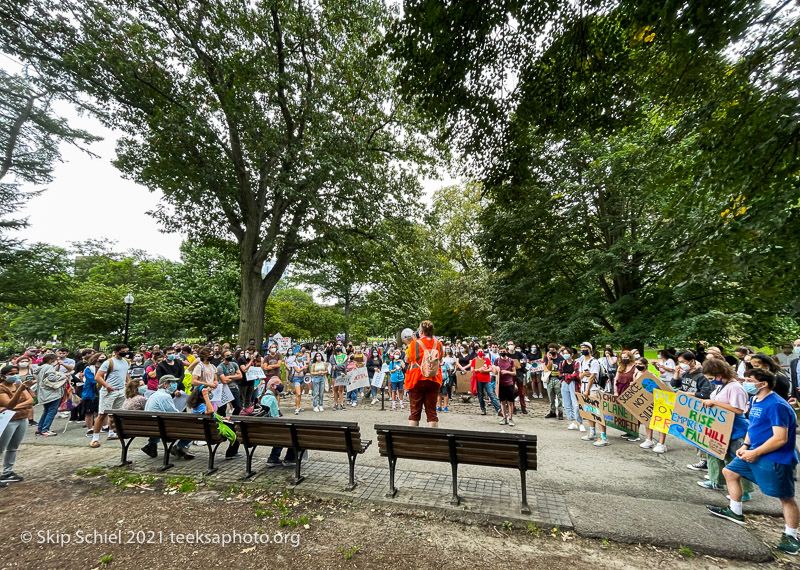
[(422, 391)]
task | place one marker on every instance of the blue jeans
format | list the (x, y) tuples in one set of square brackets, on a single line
[(317, 389), (353, 396), (48, 415), (487, 387), (570, 401)]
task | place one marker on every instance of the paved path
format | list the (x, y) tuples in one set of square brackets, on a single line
[(619, 492)]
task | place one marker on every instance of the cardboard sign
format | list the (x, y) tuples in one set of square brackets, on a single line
[(341, 381), (708, 429), (663, 403), (638, 397), (616, 416), (463, 382), (254, 373), (377, 379), (284, 343), (358, 378), (590, 408)]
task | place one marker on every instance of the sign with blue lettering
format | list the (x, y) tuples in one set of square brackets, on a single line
[(706, 427)]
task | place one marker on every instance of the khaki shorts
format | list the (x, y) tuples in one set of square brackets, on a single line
[(110, 401)]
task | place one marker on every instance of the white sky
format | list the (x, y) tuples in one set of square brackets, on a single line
[(89, 199)]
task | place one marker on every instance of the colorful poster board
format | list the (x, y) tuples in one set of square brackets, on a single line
[(590, 408), (638, 397), (708, 429), (663, 404), (616, 416)]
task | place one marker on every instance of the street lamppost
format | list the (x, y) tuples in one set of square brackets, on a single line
[(128, 301)]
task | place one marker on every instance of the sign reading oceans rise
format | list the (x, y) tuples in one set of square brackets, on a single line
[(663, 403), (616, 416), (708, 429), (590, 408), (638, 397)]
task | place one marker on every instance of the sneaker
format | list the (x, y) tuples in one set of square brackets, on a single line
[(500, 413), (699, 466), (589, 438), (503, 422), (510, 422), (394, 406), (95, 443), (789, 545), (660, 448), (527, 399), (289, 463), (355, 403), (581, 427), (274, 463), (726, 513), (112, 435), (401, 404), (445, 409), (745, 497), (49, 434), (706, 477), (89, 432), (33, 423), (438, 409), (37, 432), (709, 485), (647, 444), (516, 399), (560, 416), (525, 412), (374, 401), (321, 409), (602, 442), (10, 477), (297, 411), (572, 426), (483, 412), (316, 408), (151, 450), (550, 415), (182, 453), (63, 415), (104, 428)]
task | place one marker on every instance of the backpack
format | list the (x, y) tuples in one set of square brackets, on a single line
[(430, 363)]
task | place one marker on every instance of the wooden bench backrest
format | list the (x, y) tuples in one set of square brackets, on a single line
[(176, 425), (317, 435), (472, 447)]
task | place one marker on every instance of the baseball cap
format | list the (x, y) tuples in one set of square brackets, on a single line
[(586, 344)]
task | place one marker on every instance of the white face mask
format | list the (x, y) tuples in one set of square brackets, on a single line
[(684, 366)]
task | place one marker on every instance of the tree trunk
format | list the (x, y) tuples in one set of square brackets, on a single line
[(252, 305)]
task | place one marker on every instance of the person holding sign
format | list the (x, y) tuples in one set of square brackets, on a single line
[(590, 371), (424, 376), (767, 457), (481, 367), (338, 362), (728, 395), (505, 369), (374, 364), (16, 400), (568, 372)]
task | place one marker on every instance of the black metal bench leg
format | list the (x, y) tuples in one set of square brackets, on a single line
[(212, 452), (298, 462), (167, 451), (124, 461), (392, 489), (351, 458), (249, 452), (456, 499), (526, 510)]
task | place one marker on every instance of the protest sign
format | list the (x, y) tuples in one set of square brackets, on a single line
[(254, 373), (616, 416), (589, 408), (180, 401), (341, 381), (377, 379), (663, 403), (463, 382), (638, 397), (5, 419), (536, 366), (708, 429), (284, 343), (358, 378)]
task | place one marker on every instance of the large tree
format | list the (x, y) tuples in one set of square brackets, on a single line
[(274, 123)]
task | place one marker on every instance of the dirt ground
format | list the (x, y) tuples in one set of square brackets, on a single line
[(79, 506)]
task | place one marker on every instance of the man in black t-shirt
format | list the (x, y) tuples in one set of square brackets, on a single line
[(247, 387), (171, 365), (519, 378)]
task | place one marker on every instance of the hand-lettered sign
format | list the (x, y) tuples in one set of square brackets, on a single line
[(663, 403), (707, 428), (638, 396), (589, 408), (616, 416)]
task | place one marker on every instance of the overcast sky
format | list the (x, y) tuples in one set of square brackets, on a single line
[(88, 199)]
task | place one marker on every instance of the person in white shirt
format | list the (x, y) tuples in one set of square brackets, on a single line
[(589, 377), (785, 356), (666, 365)]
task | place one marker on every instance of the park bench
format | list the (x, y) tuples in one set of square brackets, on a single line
[(512, 450), (170, 427), (301, 435)]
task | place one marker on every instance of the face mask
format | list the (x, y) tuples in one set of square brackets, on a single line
[(290, 353), (641, 367), (796, 350), (279, 388), (173, 387), (585, 352), (625, 360), (374, 354), (138, 359), (397, 357), (565, 354), (142, 389), (170, 357), (228, 358), (24, 364), (272, 350), (750, 388), (684, 366), (510, 348), (338, 350), (123, 354), (13, 378)]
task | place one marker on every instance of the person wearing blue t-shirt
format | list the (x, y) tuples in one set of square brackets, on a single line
[(767, 457)]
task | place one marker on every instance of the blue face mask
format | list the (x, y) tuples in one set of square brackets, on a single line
[(750, 388), (279, 388), (170, 357), (173, 387), (14, 378)]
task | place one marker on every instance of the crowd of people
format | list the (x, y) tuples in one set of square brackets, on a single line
[(760, 390)]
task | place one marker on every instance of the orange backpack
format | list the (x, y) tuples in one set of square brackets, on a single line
[(430, 362)]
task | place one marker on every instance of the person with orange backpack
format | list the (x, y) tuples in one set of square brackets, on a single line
[(424, 375)]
